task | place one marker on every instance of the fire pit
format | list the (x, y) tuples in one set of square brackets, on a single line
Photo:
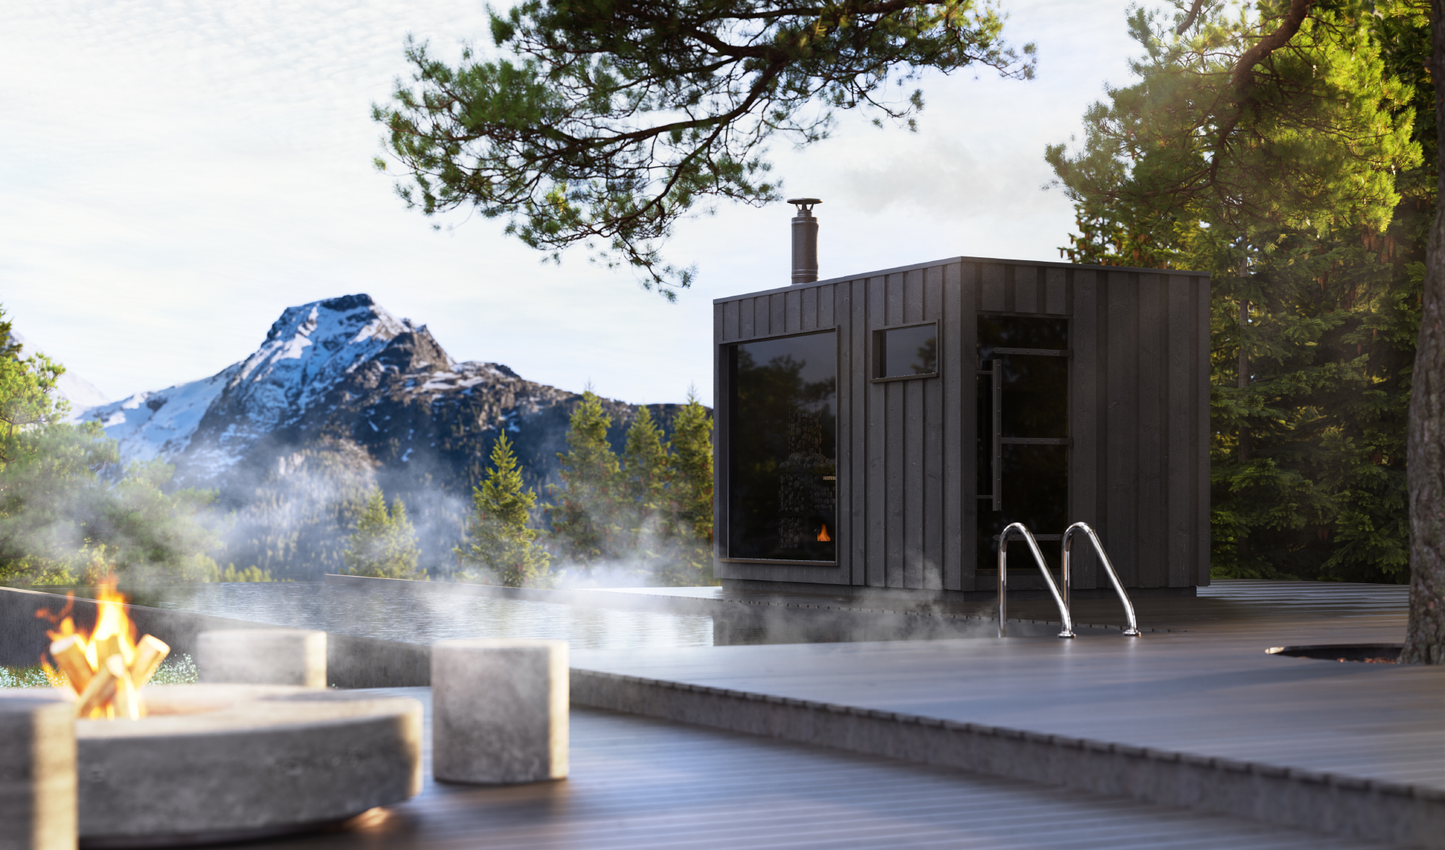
[(213, 763), (199, 764)]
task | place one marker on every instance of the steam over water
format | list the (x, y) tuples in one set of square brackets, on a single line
[(424, 618)]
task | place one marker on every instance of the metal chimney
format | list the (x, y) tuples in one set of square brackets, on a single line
[(805, 241)]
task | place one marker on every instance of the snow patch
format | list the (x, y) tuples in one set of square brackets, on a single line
[(159, 424), (306, 353)]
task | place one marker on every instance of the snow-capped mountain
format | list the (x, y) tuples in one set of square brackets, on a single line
[(160, 423), (339, 396), (307, 352), (339, 369)]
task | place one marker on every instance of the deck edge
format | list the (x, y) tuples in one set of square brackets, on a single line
[(1312, 801)]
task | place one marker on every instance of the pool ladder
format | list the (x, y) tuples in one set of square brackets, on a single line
[(1061, 600)]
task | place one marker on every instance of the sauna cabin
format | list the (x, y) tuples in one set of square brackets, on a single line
[(878, 430)]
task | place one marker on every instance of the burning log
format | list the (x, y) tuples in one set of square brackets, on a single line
[(106, 647), (148, 657), (107, 668), (69, 655), (127, 702), (96, 694)]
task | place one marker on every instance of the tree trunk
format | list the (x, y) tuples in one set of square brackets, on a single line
[(1425, 458)]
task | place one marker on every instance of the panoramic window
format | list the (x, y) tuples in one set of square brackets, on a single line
[(782, 448), (910, 352)]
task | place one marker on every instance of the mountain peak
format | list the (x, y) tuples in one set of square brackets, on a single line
[(349, 318), (311, 349)]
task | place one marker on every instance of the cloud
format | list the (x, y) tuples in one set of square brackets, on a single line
[(180, 172)]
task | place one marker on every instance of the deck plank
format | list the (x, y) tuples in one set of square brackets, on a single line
[(638, 783)]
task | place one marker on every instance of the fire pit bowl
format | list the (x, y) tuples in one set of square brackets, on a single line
[(220, 763)]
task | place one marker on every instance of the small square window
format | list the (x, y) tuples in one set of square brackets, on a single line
[(910, 352)]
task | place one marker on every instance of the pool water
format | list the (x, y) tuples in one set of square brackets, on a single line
[(428, 617)]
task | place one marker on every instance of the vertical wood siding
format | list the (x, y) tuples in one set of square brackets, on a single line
[(1151, 495), (956, 348), (855, 336), (934, 459), (1121, 423), (907, 506), (1087, 403)]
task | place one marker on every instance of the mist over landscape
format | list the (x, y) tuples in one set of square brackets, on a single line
[(342, 397)]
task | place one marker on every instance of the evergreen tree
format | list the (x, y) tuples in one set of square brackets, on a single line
[(690, 491), (1290, 185), (501, 543), (384, 544), (27, 402), (66, 508), (644, 483), (1425, 632), (604, 123), (583, 514)]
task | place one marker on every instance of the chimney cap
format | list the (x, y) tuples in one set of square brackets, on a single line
[(804, 204)]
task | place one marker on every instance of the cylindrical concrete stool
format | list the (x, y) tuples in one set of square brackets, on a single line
[(37, 772), (499, 710), (262, 657)]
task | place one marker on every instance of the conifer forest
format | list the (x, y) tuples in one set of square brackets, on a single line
[(1308, 192)]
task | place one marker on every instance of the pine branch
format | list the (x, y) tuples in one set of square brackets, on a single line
[(1243, 76)]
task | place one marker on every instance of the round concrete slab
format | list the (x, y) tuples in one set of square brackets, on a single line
[(228, 762)]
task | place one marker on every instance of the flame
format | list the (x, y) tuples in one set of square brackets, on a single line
[(112, 621), (113, 635), (823, 535)]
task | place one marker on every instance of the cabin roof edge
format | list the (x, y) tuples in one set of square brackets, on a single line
[(947, 261)]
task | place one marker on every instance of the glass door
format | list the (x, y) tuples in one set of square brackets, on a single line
[(1023, 432)]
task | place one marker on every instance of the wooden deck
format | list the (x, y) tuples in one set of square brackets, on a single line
[(1198, 714), (637, 783), (847, 740)]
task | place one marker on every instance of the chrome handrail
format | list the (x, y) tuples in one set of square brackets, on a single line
[(1133, 630), (1068, 631)]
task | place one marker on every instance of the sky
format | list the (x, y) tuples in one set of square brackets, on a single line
[(175, 173)]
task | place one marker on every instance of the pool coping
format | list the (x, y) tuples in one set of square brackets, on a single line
[(1333, 803)]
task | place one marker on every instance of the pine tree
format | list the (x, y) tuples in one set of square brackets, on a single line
[(689, 503), (604, 123), (383, 545), (501, 542), (66, 506), (644, 483), (583, 513), (1293, 191)]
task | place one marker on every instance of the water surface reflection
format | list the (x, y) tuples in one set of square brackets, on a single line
[(428, 617)]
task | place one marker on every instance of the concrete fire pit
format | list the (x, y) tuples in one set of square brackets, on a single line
[(217, 763)]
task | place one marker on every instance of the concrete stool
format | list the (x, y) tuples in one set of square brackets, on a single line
[(262, 657), (499, 710), (37, 772)]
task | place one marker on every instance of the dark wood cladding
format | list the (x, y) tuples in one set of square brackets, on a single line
[(1139, 418)]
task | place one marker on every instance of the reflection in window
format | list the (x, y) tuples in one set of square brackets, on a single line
[(1025, 354), (1020, 332), (782, 451), (905, 352)]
